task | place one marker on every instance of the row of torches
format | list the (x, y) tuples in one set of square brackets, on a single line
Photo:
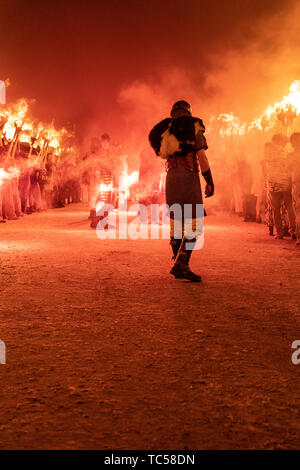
[(284, 111), (16, 128)]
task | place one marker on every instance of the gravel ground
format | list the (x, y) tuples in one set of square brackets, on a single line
[(106, 351)]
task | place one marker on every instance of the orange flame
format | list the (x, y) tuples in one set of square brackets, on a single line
[(12, 172), (105, 188), (285, 110), (128, 180), (14, 119)]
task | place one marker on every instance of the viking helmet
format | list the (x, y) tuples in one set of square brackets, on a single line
[(181, 106)]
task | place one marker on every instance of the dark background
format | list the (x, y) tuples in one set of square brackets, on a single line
[(74, 57)]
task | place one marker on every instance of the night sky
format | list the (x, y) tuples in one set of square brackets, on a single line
[(74, 57)]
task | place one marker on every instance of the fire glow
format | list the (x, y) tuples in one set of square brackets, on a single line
[(12, 172), (285, 111), (16, 126), (128, 179), (105, 188)]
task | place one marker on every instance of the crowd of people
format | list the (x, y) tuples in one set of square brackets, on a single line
[(276, 198), (29, 183)]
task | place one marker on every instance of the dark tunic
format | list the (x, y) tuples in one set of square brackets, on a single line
[(183, 187)]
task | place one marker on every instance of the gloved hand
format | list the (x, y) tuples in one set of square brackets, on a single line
[(209, 190), (210, 187)]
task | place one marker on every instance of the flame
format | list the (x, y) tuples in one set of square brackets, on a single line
[(13, 117), (3, 175), (12, 172), (230, 125), (128, 180), (285, 111), (26, 132), (9, 130), (15, 123), (105, 188)]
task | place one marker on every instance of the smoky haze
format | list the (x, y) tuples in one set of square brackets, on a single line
[(117, 66)]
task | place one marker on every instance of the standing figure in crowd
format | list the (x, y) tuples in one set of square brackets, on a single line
[(180, 141), (279, 183), (269, 218), (2, 221), (149, 188), (97, 177), (24, 182), (35, 198), (243, 199), (295, 160), (10, 204)]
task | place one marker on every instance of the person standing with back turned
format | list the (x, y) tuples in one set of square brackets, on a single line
[(181, 142)]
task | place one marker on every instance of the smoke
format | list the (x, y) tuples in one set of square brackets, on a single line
[(117, 67), (250, 79), (243, 79), (255, 71)]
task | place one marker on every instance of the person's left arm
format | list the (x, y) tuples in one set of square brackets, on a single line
[(206, 173)]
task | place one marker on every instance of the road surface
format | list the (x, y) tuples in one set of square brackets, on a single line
[(104, 350)]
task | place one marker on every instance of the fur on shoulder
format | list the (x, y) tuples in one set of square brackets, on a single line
[(156, 133), (200, 140), (178, 136), (199, 124)]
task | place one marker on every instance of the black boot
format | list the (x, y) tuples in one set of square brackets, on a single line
[(92, 213), (175, 244), (94, 218), (181, 268)]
